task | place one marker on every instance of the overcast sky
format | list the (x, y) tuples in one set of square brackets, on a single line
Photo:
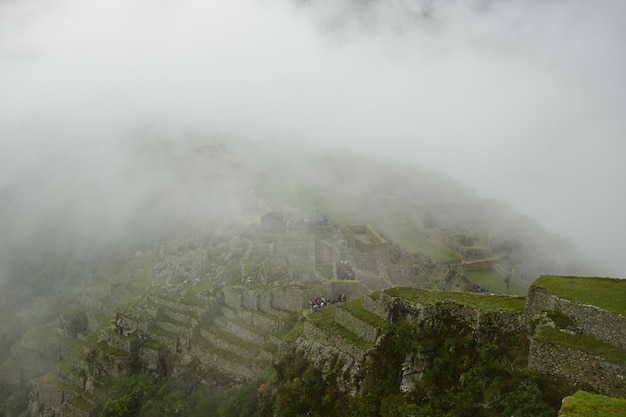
[(521, 100)]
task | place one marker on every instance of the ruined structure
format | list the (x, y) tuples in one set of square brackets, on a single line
[(224, 305), (209, 306), (593, 359), (579, 342)]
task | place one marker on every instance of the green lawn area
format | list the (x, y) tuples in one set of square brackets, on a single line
[(355, 307), (483, 302), (606, 293), (584, 404), (491, 279)]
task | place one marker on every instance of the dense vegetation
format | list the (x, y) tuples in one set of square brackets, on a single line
[(460, 376)]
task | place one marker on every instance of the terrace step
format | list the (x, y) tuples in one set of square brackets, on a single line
[(241, 329), (227, 341), (225, 361), (70, 375), (183, 308), (171, 326)]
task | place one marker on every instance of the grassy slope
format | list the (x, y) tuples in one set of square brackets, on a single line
[(492, 280), (584, 404), (480, 301), (325, 318), (606, 293), (585, 343)]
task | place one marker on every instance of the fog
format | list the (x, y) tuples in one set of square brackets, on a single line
[(520, 100)]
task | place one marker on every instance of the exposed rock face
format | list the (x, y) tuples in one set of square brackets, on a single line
[(332, 353), (605, 325), (573, 366), (591, 372), (218, 306)]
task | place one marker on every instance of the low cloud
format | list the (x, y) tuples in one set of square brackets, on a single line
[(521, 100)]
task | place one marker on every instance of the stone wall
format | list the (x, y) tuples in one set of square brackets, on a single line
[(47, 400), (240, 331), (481, 322), (227, 345), (329, 358), (351, 289), (251, 300), (478, 266), (112, 364), (259, 319), (126, 343), (377, 307), (575, 366), (233, 298), (152, 360), (357, 326), (72, 324), (605, 325), (176, 305), (375, 280), (329, 352), (265, 301), (290, 300), (46, 347), (331, 339), (367, 246), (295, 251)]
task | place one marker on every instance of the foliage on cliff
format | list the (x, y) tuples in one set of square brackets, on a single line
[(459, 376), (143, 395)]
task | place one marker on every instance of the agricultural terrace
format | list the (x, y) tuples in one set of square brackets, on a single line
[(490, 279), (605, 293), (485, 302)]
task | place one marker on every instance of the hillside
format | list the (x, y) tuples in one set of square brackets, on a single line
[(206, 288)]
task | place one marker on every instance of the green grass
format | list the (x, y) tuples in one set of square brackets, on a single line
[(606, 293), (113, 351), (325, 318), (224, 354), (490, 279), (46, 331), (291, 331), (584, 343), (52, 379), (355, 307), (230, 338), (81, 404), (159, 331), (153, 344), (71, 369), (163, 317), (271, 347), (481, 301), (584, 404), (416, 243)]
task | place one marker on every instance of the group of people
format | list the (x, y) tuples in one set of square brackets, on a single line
[(321, 302)]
